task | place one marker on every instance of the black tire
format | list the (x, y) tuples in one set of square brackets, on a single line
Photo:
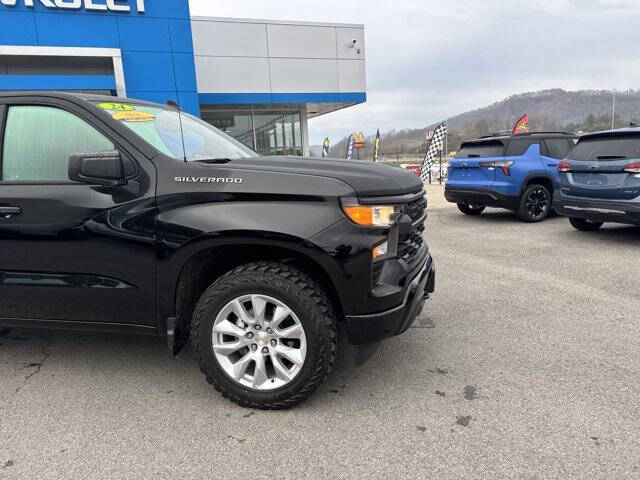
[(585, 225), (469, 210), (310, 304), (535, 204)]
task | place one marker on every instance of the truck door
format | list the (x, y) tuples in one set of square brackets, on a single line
[(71, 252)]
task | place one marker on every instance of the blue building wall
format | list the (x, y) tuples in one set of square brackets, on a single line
[(151, 44)]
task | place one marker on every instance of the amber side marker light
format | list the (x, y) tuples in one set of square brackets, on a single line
[(380, 250), (371, 216)]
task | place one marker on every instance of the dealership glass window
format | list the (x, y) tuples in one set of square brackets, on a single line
[(239, 125), (267, 132), (38, 142), (278, 133)]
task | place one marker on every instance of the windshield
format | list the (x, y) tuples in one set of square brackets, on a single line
[(178, 135), (606, 148)]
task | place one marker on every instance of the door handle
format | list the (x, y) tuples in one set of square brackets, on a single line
[(8, 212), (552, 164)]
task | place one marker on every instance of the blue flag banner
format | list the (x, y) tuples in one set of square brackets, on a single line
[(350, 143), (325, 147)]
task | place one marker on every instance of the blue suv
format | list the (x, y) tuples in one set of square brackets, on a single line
[(517, 172), (599, 181)]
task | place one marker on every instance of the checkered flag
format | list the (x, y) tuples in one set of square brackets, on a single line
[(435, 145)]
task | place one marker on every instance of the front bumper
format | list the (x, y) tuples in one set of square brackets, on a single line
[(595, 210), (367, 329), (480, 196)]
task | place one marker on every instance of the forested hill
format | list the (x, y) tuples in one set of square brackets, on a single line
[(585, 110)]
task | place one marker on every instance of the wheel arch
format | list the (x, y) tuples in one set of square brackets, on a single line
[(537, 178), (197, 265)]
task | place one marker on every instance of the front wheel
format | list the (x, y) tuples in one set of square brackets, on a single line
[(265, 335), (470, 209), (585, 225), (535, 204)]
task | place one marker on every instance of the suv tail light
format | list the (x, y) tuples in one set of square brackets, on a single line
[(632, 168), (503, 165), (564, 167)]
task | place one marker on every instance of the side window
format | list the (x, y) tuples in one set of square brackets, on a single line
[(519, 146), (38, 142), (557, 147)]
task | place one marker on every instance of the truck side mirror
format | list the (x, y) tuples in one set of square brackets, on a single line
[(102, 168)]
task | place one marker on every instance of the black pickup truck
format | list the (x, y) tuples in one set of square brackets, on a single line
[(126, 216)]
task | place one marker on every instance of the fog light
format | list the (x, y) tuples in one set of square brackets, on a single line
[(381, 250)]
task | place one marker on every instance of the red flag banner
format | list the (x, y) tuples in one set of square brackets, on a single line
[(522, 125)]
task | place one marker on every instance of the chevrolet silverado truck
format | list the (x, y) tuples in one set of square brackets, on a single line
[(126, 216)]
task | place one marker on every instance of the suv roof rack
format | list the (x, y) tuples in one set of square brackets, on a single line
[(544, 133), (503, 133), (507, 133)]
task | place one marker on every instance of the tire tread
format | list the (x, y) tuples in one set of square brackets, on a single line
[(521, 211), (311, 295)]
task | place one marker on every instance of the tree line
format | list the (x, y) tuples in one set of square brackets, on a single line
[(413, 141)]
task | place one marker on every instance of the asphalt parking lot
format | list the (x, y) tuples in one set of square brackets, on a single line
[(525, 364)]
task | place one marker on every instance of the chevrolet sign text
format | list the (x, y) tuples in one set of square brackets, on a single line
[(91, 5)]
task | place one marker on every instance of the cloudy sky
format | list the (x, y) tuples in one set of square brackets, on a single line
[(428, 60)]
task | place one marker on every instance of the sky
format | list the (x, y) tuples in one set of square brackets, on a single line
[(428, 60)]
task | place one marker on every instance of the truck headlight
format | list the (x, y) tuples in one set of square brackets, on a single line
[(371, 215)]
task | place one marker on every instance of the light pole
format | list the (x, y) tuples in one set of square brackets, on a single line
[(613, 114)]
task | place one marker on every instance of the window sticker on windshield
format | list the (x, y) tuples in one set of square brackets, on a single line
[(120, 107), (134, 116)]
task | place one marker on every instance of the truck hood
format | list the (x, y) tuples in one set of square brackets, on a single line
[(368, 179)]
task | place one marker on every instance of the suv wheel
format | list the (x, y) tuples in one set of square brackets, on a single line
[(585, 225), (535, 204), (265, 335), (470, 209)]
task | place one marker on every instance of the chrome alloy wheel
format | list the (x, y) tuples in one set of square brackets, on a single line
[(259, 342)]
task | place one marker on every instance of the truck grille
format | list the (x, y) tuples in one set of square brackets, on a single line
[(417, 208), (410, 246)]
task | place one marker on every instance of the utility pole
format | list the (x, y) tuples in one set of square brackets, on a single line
[(613, 114)]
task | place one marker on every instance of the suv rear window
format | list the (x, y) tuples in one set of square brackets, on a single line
[(606, 148), (481, 150)]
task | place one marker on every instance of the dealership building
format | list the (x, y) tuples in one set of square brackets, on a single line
[(260, 81)]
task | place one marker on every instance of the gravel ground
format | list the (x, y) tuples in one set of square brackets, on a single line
[(525, 364)]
